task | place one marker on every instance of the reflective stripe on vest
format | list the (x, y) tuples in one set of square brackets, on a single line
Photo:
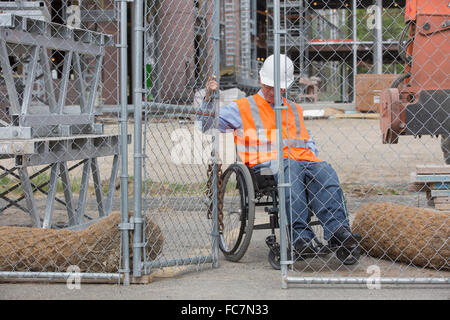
[(255, 143), (262, 132), (271, 146), (297, 120)]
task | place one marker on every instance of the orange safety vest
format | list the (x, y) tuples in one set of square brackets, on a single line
[(256, 142)]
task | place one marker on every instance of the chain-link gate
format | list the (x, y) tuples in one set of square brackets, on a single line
[(179, 161), (62, 149), (346, 164), (371, 206), (59, 148)]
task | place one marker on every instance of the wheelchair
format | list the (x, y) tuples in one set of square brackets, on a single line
[(243, 190)]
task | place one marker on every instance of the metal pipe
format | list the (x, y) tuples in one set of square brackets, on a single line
[(137, 171), (124, 141), (278, 108), (178, 262), (55, 275), (354, 48), (378, 54), (182, 109), (340, 44), (160, 107), (216, 72), (361, 280)]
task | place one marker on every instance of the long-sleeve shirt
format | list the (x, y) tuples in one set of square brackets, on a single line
[(230, 119)]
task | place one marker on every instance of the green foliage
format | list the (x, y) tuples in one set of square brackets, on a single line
[(393, 24), (7, 183)]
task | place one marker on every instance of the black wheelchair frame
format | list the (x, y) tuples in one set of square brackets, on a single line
[(253, 188)]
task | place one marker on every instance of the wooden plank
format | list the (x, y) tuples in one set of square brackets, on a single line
[(440, 193), (418, 187), (429, 186), (441, 200), (356, 116), (433, 169), (440, 178), (440, 186), (145, 279), (442, 206)]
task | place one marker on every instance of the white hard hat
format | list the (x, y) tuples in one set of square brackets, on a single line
[(286, 72)]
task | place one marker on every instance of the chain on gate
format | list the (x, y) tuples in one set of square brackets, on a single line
[(209, 193)]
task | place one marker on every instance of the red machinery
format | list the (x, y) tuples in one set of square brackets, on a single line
[(418, 102)]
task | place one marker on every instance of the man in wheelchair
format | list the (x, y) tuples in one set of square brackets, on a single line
[(314, 183)]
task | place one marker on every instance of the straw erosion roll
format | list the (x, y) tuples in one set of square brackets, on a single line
[(405, 234), (94, 249)]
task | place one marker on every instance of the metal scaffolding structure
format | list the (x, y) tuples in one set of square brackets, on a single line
[(45, 131), (316, 33), (240, 45), (50, 117)]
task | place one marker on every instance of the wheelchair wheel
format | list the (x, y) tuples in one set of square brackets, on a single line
[(238, 196)]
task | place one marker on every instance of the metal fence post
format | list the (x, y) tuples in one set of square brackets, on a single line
[(124, 141), (137, 92), (216, 72), (378, 46), (354, 49), (278, 108)]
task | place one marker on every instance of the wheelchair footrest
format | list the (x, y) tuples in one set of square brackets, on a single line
[(262, 226)]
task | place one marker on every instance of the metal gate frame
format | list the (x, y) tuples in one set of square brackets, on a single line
[(282, 186), (139, 265)]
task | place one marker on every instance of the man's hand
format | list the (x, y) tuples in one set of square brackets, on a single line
[(211, 86)]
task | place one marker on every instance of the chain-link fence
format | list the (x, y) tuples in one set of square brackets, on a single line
[(363, 192), (66, 77), (365, 187), (179, 173), (377, 190), (59, 148)]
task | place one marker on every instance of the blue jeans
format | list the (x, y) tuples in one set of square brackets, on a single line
[(315, 186)]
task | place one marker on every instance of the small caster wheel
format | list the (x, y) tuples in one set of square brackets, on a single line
[(274, 257)]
